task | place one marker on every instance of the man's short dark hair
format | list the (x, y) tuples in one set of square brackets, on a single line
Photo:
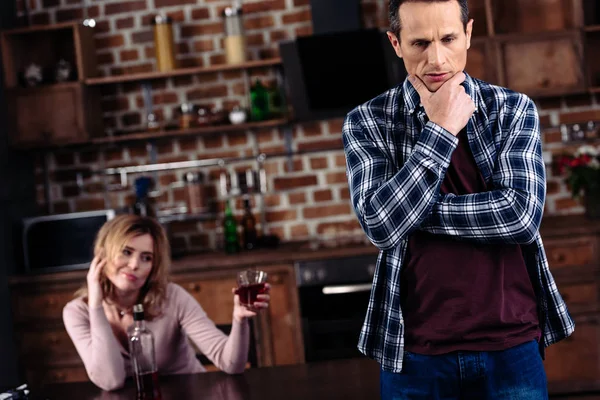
[(395, 12)]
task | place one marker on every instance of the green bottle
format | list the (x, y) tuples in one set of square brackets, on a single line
[(230, 231), (259, 101)]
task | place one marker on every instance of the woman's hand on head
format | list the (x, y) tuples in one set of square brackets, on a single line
[(95, 295), (241, 311)]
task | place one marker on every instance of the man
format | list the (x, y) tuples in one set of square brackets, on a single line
[(447, 179)]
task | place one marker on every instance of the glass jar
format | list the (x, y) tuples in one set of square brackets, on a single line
[(235, 41), (196, 194), (187, 116), (164, 43)]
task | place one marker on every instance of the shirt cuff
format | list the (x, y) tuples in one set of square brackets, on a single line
[(436, 143)]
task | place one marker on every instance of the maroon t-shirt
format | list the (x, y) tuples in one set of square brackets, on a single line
[(462, 295)]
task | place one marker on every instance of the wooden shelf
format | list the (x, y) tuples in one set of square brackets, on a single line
[(191, 132), (592, 28), (41, 28), (181, 72)]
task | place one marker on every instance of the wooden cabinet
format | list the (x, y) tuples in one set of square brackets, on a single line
[(574, 363), (54, 111), (47, 354), (531, 46)]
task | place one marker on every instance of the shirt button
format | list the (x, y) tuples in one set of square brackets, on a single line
[(401, 322)]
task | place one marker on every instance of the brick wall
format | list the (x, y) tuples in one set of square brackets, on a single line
[(308, 196)]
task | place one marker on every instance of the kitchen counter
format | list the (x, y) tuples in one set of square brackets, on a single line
[(557, 226)]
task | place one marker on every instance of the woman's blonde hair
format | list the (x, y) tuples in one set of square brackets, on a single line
[(110, 242)]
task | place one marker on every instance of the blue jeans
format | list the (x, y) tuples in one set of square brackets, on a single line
[(513, 374)]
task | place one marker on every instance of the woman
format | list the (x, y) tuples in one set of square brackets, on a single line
[(130, 267)]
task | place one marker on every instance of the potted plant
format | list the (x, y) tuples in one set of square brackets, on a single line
[(583, 175)]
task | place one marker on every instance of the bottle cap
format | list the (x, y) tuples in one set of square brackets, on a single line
[(138, 312)]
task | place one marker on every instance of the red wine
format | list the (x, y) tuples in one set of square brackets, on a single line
[(147, 386), (248, 293)]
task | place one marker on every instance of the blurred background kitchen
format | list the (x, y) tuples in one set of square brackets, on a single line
[(223, 119)]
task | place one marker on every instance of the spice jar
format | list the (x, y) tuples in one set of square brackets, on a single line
[(164, 44), (187, 116), (235, 42), (196, 194)]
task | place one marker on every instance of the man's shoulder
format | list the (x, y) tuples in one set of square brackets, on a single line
[(380, 107), (498, 97)]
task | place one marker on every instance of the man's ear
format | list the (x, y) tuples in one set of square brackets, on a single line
[(395, 41), (469, 32)]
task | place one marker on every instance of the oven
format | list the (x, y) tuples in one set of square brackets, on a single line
[(334, 296)]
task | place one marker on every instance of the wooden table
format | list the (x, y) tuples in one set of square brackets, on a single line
[(347, 380)]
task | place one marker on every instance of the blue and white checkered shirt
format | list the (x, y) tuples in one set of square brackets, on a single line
[(396, 162)]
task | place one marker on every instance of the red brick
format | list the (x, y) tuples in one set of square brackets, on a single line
[(49, 3), (124, 7), (580, 116), (125, 23), (171, 3), (552, 136), (239, 89), (277, 36), (337, 177), (296, 165), (217, 59), (182, 48), (285, 183), (188, 144), (232, 75), (300, 3), (134, 69), (109, 41), (297, 198), (165, 147), (566, 203), (262, 6), (545, 121), (61, 207), (318, 163), (69, 14), (200, 240), (283, 215), (94, 187), (304, 31), (115, 104), (165, 180), (207, 92), (213, 28), (237, 139), (93, 11), (299, 231), (88, 157), (326, 211), (277, 231), (146, 36), (340, 160), (137, 150), (552, 187), (184, 227), (345, 193), (259, 22), (182, 81), (203, 45), (105, 58), (129, 55), (102, 27), (89, 204), (215, 142), (70, 175), (297, 16), (323, 195), (338, 227), (331, 144), (335, 125), (201, 13), (255, 39), (272, 200)]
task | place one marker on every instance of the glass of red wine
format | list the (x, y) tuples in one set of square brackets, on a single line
[(251, 283)]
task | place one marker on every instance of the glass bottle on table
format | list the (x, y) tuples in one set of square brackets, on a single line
[(141, 350)]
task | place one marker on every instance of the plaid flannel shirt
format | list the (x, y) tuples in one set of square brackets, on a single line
[(396, 162)]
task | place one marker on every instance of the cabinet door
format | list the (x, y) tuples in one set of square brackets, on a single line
[(48, 115), (577, 358)]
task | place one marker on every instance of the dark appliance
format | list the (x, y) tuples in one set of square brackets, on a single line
[(334, 296), (327, 75), (61, 242)]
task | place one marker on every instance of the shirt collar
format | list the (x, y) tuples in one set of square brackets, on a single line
[(412, 100)]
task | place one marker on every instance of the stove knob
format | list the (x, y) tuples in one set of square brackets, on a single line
[(371, 269), (307, 275)]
